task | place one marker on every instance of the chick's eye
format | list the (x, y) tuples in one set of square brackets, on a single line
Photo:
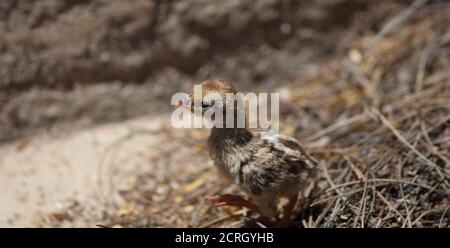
[(205, 105)]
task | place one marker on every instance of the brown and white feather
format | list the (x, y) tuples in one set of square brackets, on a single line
[(265, 165)]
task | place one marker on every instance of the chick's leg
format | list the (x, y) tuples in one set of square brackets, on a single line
[(289, 208)]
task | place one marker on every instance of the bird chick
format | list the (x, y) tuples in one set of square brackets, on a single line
[(266, 166)]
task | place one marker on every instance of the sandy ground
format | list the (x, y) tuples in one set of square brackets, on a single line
[(45, 174)]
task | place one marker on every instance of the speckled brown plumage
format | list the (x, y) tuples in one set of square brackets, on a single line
[(265, 165)]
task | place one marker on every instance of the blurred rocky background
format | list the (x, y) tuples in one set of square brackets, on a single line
[(84, 62)]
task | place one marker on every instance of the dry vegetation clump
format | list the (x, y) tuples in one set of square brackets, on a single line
[(378, 121), (385, 154)]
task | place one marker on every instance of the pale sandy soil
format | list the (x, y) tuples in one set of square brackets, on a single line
[(46, 174)]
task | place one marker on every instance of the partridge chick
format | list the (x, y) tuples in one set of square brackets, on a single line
[(265, 165)]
